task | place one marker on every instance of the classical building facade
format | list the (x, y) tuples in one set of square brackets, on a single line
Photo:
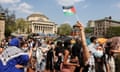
[(40, 23), (101, 26), (91, 23)]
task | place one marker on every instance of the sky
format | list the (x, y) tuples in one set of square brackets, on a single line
[(86, 9)]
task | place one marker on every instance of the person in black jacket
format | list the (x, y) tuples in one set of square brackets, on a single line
[(50, 59), (58, 54), (77, 52)]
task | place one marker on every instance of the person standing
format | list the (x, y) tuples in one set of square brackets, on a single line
[(58, 56), (110, 57), (50, 58), (77, 54), (67, 65), (92, 46), (13, 59)]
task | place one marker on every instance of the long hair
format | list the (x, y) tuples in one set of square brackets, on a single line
[(107, 50), (67, 46)]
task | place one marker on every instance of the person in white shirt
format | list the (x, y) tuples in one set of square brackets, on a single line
[(92, 50), (93, 45)]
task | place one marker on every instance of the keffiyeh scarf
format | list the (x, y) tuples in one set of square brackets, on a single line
[(10, 53)]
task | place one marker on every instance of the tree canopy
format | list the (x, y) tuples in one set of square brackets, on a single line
[(22, 26), (65, 29), (113, 31), (89, 30)]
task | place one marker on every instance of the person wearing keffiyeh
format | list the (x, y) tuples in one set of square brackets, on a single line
[(13, 59)]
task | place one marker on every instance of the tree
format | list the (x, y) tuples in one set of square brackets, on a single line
[(88, 30), (65, 29), (1, 8), (22, 26), (113, 31), (9, 20)]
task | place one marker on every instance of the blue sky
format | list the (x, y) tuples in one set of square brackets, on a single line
[(86, 9)]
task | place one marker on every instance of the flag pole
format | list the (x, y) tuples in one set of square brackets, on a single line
[(77, 17)]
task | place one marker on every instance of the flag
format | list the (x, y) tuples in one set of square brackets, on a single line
[(69, 10)]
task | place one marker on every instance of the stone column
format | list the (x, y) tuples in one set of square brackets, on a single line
[(2, 29), (2, 25), (37, 28), (33, 28), (47, 29), (40, 28), (52, 31)]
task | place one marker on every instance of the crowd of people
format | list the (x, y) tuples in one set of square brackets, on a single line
[(19, 54)]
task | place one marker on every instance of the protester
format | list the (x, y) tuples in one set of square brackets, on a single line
[(13, 59), (68, 55), (86, 53), (77, 54), (24, 46), (50, 59), (40, 59), (33, 59), (1, 50), (67, 66), (92, 46), (58, 55), (2, 46), (110, 58), (101, 63)]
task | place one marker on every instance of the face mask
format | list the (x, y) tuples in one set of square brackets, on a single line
[(97, 44), (25, 49), (98, 54)]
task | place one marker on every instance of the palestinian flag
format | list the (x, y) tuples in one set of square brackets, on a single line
[(69, 10)]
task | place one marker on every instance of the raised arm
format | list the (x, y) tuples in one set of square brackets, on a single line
[(86, 53)]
